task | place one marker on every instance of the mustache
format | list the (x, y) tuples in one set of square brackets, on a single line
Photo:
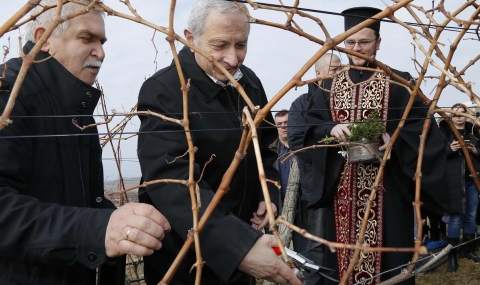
[(93, 63)]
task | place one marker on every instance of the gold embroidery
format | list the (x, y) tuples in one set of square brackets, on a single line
[(351, 102)]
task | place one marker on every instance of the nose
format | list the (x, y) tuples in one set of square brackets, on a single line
[(356, 47), (98, 52), (231, 57)]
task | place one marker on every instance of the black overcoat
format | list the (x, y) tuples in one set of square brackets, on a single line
[(51, 179), (456, 165), (214, 115), (399, 171), (295, 133)]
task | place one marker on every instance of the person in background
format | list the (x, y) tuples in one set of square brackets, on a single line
[(462, 189), (281, 147), (315, 219), (57, 227)]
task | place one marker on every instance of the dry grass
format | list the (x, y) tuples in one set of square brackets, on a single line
[(468, 273)]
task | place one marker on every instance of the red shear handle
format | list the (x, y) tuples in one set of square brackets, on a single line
[(277, 250)]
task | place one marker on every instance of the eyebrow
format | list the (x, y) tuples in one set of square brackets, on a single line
[(88, 32)]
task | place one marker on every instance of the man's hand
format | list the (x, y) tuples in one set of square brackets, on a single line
[(260, 218), (261, 262), (135, 228), (339, 132)]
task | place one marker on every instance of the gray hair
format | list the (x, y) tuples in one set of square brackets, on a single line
[(201, 9), (46, 18)]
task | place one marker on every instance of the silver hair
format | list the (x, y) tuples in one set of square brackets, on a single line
[(201, 9), (46, 18)]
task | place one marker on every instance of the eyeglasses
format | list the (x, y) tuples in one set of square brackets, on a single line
[(362, 43)]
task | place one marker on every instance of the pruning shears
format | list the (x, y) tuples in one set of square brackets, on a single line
[(302, 264)]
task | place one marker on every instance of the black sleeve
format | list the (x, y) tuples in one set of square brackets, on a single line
[(296, 126), (34, 232), (161, 146), (318, 118), (406, 146)]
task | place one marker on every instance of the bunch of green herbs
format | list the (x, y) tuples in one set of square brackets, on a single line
[(371, 128)]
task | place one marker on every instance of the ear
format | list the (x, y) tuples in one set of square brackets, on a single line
[(189, 36), (318, 73), (378, 43), (37, 35)]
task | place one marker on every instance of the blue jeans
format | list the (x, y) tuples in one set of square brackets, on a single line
[(466, 221)]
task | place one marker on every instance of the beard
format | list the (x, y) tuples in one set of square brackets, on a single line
[(365, 63)]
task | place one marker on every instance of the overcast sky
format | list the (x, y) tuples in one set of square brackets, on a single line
[(274, 54)]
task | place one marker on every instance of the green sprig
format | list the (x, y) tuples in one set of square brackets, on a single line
[(372, 127)]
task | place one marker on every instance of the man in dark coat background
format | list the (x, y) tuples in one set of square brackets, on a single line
[(315, 219), (344, 188), (56, 225), (231, 240)]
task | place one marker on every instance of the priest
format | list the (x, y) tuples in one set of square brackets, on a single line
[(344, 188)]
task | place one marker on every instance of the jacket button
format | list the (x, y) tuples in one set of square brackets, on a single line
[(92, 256), (98, 200), (89, 94), (84, 104)]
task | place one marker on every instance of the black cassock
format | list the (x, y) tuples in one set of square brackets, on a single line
[(398, 179)]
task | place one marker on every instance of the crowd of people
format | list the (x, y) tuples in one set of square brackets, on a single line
[(58, 227)]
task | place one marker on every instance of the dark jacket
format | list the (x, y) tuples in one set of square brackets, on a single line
[(295, 134), (214, 113), (275, 147), (456, 165), (51, 179)]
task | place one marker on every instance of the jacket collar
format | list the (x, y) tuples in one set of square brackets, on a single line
[(75, 94), (357, 75), (274, 145), (208, 88)]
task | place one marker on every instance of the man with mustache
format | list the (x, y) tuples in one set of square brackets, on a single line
[(56, 225), (231, 241), (343, 189)]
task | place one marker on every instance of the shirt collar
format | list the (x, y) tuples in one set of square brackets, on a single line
[(237, 75)]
